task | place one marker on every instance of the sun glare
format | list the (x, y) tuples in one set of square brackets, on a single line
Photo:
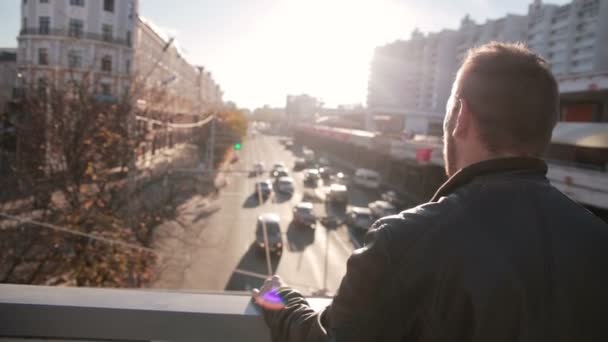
[(324, 47)]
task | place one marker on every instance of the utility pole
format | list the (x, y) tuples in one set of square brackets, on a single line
[(211, 148)]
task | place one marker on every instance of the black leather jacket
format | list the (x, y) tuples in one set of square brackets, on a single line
[(497, 255)]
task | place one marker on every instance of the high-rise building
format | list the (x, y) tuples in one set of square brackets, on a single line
[(412, 79), (301, 108), (572, 37)]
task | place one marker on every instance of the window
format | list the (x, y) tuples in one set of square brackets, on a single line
[(131, 9), (129, 38), (76, 27), (25, 2), (106, 89), (108, 5), (128, 66), (74, 59), (43, 56), (44, 1), (44, 25), (24, 24), (106, 63), (107, 32), (42, 85), (79, 3)]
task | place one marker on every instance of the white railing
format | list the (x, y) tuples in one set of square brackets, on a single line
[(43, 312)]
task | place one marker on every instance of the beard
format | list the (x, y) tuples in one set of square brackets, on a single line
[(449, 155)]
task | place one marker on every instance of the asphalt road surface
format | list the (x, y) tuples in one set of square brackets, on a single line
[(226, 258)]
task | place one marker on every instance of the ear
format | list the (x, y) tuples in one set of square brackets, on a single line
[(462, 120)]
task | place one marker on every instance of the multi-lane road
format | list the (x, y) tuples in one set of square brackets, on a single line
[(226, 258)]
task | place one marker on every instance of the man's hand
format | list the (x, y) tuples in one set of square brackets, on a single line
[(268, 295)]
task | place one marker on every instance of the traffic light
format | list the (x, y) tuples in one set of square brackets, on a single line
[(237, 146)]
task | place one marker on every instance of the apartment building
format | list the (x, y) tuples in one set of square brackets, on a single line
[(572, 37), (66, 40), (412, 79), (164, 79), (107, 46)]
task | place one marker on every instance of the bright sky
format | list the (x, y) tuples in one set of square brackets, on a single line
[(261, 50)]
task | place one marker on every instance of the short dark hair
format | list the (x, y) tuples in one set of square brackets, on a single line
[(512, 96)]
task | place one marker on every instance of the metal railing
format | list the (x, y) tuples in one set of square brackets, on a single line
[(94, 314), (74, 34)]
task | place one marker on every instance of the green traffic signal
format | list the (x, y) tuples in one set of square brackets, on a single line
[(237, 146)]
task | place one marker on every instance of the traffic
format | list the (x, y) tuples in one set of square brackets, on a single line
[(328, 197)]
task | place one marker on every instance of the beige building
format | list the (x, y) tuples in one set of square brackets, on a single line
[(105, 45), (164, 80)]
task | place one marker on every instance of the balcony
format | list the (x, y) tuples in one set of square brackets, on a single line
[(66, 33), (43, 312)]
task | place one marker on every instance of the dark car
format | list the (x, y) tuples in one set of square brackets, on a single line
[(279, 172), (311, 177), (303, 214), (271, 223), (264, 188), (338, 194), (326, 172)]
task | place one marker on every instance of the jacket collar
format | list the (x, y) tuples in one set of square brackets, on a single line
[(491, 166)]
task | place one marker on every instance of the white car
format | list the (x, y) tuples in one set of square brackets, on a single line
[(367, 178), (285, 185), (278, 166), (382, 208), (304, 215), (360, 218)]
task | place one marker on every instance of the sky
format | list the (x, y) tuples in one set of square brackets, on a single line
[(261, 50)]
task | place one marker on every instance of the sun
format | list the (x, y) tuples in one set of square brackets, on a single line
[(324, 47)]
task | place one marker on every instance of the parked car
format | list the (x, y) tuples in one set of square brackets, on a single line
[(258, 168), (360, 218), (285, 185), (270, 222), (303, 214), (264, 188), (311, 177), (367, 178), (326, 172), (382, 208), (338, 194)]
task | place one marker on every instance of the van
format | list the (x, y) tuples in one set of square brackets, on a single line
[(367, 178)]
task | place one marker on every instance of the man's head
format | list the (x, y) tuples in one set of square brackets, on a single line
[(504, 102)]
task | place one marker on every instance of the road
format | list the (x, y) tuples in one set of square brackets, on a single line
[(222, 255)]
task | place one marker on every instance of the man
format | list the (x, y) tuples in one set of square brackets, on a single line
[(498, 254)]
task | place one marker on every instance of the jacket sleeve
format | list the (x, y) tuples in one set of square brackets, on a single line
[(355, 307)]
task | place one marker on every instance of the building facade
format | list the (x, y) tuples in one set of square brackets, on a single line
[(412, 79), (572, 37), (106, 46), (164, 80), (301, 108), (8, 73), (77, 41)]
